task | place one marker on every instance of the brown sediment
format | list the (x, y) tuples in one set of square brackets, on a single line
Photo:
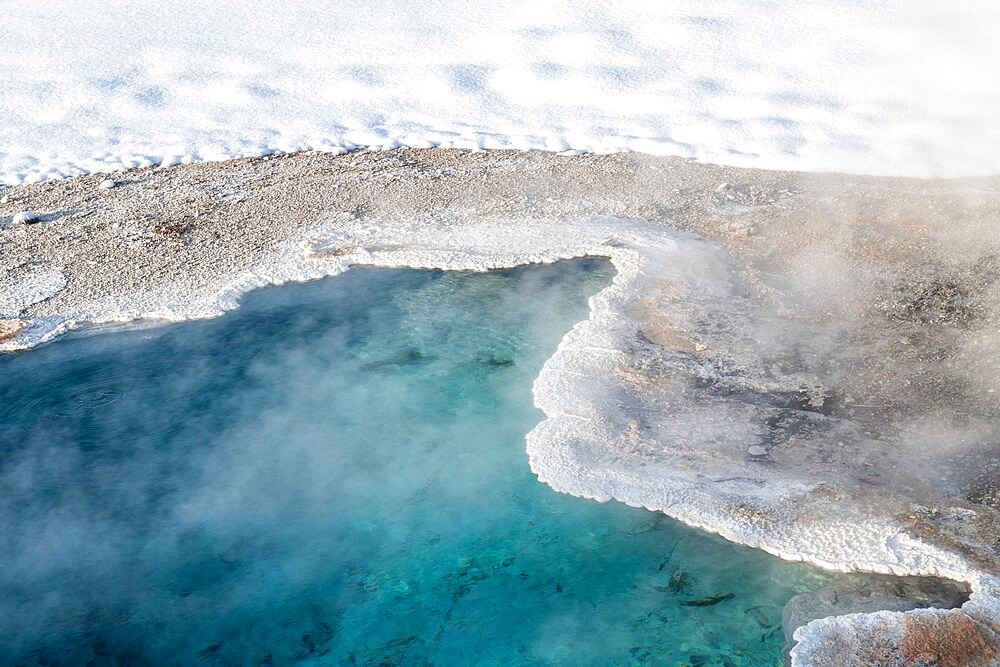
[(949, 639), (10, 328)]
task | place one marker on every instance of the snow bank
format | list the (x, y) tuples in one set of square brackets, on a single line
[(902, 87)]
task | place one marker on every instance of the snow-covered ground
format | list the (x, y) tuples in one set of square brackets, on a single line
[(906, 87)]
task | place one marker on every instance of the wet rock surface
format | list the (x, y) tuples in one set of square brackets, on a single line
[(868, 593)]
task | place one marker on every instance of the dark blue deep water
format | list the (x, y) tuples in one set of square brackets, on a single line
[(335, 475)]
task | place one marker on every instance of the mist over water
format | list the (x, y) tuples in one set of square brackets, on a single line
[(335, 474)]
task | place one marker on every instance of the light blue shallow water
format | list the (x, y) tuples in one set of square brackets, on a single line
[(335, 474)]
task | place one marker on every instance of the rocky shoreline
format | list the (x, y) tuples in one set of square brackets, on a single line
[(803, 363)]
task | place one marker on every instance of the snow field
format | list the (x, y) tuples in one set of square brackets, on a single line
[(897, 87)]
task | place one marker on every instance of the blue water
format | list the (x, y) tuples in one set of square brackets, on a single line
[(335, 474)]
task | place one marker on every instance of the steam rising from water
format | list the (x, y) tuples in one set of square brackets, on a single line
[(336, 473)]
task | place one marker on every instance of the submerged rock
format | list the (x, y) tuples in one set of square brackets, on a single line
[(709, 600)]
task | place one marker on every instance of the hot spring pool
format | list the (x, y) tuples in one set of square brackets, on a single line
[(335, 474)]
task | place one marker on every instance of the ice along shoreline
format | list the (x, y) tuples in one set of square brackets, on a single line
[(770, 345)]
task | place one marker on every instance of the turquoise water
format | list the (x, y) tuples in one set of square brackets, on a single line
[(335, 474)]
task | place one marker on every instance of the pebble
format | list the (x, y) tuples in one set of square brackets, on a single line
[(25, 218), (756, 450), (107, 184)]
